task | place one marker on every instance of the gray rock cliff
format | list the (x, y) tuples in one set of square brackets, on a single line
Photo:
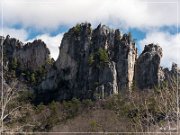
[(92, 63), (30, 56), (148, 70)]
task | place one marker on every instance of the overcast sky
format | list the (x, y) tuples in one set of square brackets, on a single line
[(150, 21)]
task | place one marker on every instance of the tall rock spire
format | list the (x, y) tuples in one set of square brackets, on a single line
[(148, 70)]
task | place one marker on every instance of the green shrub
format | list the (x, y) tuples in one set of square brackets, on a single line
[(72, 107), (53, 106), (100, 56), (77, 29), (87, 103), (91, 59), (103, 55), (94, 125), (50, 61), (26, 96), (14, 63), (33, 78), (40, 108), (53, 119)]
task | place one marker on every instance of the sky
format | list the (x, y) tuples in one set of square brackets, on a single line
[(149, 21)]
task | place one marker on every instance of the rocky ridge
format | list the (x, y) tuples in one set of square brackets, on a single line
[(28, 62), (29, 56), (92, 63)]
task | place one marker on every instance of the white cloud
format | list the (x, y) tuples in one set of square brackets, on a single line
[(49, 14), (20, 34), (52, 42), (169, 43)]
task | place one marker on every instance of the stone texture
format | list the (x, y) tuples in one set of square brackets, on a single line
[(92, 63), (108, 80), (125, 57), (75, 76), (30, 56), (148, 71), (102, 74)]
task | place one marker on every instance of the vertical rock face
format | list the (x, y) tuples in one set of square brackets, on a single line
[(102, 70), (132, 57), (125, 56), (103, 45), (92, 63), (107, 83), (72, 63), (10, 45), (32, 55), (29, 56), (148, 71)]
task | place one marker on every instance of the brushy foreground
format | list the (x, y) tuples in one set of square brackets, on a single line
[(153, 110)]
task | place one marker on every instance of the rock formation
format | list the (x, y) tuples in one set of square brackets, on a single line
[(30, 56), (92, 63), (148, 71), (172, 76), (125, 57)]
